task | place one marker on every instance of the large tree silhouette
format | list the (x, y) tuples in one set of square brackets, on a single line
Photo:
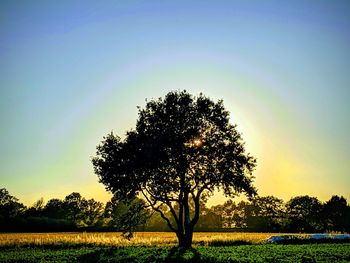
[(304, 212), (183, 148)]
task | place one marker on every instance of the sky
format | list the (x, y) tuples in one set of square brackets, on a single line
[(72, 71)]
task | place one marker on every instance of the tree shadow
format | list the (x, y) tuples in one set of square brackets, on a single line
[(97, 255), (178, 254), (172, 255)]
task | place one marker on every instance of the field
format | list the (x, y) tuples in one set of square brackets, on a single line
[(115, 239), (161, 247)]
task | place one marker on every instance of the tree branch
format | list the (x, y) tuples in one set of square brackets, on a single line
[(157, 209), (172, 210), (166, 201)]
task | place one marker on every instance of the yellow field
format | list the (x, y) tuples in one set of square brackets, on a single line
[(115, 239)]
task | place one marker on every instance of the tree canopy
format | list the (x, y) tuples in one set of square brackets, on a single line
[(182, 149), (9, 205), (304, 213)]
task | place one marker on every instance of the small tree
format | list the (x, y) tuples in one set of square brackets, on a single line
[(183, 148), (126, 215)]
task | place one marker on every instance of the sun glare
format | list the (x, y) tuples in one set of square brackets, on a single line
[(197, 142), (194, 143)]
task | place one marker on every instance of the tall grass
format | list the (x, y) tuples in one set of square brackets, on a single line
[(115, 239)]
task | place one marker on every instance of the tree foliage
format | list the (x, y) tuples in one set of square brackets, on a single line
[(182, 149), (304, 213), (9, 206), (126, 215), (336, 214)]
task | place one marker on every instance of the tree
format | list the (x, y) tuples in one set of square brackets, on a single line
[(54, 208), (304, 212), (182, 149), (156, 223), (267, 213), (10, 211), (126, 215), (225, 211), (209, 219), (9, 206), (36, 209), (244, 214), (74, 204), (336, 214), (93, 212)]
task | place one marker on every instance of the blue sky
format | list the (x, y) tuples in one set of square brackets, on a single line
[(72, 71)]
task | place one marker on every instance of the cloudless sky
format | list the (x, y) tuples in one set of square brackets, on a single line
[(72, 71)]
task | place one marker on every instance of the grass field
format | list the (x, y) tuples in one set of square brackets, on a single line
[(115, 239), (160, 247)]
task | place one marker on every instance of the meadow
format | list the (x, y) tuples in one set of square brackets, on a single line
[(115, 239), (161, 247)]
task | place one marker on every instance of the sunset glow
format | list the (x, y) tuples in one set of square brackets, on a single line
[(73, 72)]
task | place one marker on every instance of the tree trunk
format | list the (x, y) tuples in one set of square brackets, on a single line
[(185, 240), (185, 225)]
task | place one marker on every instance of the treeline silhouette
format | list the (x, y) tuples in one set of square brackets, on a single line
[(263, 214)]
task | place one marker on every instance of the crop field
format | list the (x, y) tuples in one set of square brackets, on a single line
[(161, 247)]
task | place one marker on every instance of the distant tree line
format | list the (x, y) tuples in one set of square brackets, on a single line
[(299, 214), (270, 214)]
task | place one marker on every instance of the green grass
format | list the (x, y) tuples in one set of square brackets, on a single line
[(244, 253)]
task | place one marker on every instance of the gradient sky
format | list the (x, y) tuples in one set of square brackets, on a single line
[(72, 71)]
